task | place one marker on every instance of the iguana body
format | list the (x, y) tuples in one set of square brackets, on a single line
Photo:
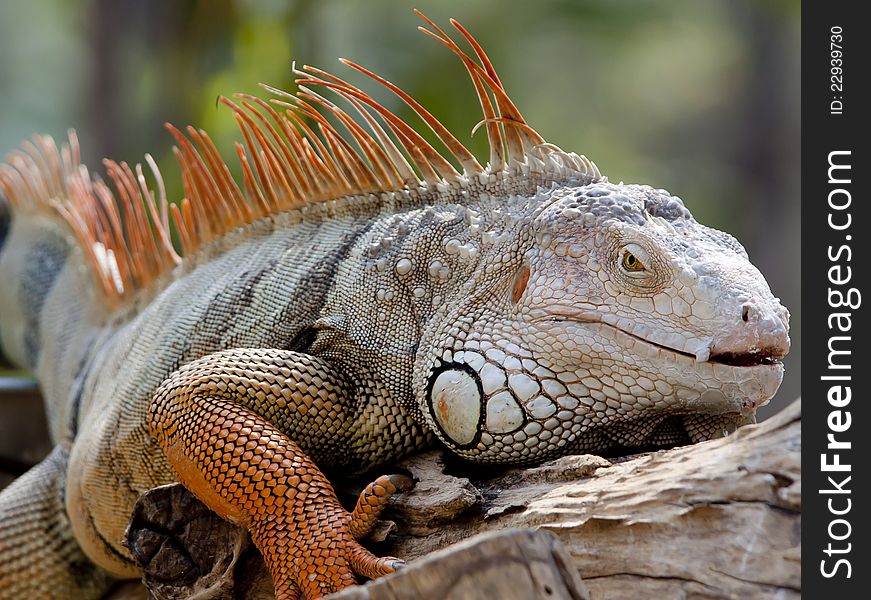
[(343, 313)]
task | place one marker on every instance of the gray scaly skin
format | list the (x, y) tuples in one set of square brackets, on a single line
[(514, 318)]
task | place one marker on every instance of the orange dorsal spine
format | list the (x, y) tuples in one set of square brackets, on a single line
[(292, 156)]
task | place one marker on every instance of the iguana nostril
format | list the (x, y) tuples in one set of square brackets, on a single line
[(745, 313)]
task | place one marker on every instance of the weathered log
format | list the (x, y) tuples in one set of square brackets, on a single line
[(501, 565), (721, 519), (185, 550)]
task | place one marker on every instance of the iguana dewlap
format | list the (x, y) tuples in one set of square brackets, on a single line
[(352, 297)]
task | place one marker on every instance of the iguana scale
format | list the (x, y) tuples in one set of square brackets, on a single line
[(358, 296)]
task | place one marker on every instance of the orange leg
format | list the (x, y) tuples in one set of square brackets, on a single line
[(207, 419)]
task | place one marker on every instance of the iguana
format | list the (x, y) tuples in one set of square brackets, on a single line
[(355, 297)]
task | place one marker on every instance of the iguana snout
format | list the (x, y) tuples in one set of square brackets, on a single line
[(759, 334)]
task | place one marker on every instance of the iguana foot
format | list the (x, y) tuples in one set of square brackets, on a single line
[(312, 550)]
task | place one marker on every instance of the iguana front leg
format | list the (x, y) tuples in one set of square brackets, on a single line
[(220, 420)]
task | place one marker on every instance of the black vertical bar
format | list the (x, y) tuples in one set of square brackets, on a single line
[(836, 427)]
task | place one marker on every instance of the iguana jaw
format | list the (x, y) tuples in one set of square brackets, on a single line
[(757, 372), (694, 348)]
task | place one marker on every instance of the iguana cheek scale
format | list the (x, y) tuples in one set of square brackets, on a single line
[(355, 296)]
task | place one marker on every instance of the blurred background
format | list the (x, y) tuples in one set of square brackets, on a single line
[(699, 97)]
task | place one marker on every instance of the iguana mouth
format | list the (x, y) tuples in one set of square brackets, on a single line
[(757, 357), (748, 359)]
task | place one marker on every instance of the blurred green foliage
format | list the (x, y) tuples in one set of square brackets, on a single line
[(697, 96)]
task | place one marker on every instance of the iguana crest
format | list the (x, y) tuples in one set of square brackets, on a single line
[(293, 155)]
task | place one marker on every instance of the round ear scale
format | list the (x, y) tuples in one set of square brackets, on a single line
[(455, 400), (520, 281)]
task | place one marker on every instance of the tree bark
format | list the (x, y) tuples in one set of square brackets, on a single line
[(513, 563), (720, 519)]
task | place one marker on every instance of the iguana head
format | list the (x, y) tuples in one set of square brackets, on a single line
[(621, 321), (684, 330)]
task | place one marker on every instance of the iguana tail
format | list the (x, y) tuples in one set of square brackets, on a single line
[(39, 557)]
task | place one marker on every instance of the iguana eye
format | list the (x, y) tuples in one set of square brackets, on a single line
[(631, 262)]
